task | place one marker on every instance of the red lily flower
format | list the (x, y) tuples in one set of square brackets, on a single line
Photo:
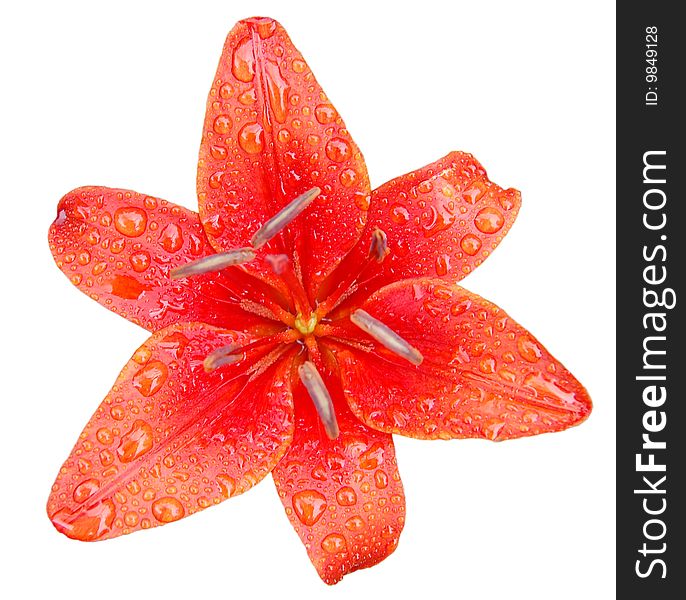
[(299, 320)]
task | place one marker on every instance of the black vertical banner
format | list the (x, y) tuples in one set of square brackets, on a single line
[(651, 258)]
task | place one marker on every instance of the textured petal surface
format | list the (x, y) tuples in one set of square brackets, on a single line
[(344, 497), (170, 440), (118, 246), (270, 134), (443, 219), (483, 375)]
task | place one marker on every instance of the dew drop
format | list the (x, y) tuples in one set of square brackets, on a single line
[(167, 509), (130, 221), (348, 177), (150, 378), (264, 26), (425, 186), (131, 519), (251, 138), (226, 91), (338, 149), (135, 442), (325, 113), (309, 506), (381, 479), (334, 543), (85, 490), (243, 61), (299, 66), (222, 124), (442, 264), (227, 485), (278, 90), (104, 436), (218, 152), (86, 525), (528, 349), (140, 261), (248, 97), (470, 244), (399, 214), (489, 220), (284, 136), (171, 238), (346, 496), (354, 524)]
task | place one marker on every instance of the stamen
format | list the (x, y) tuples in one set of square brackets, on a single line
[(215, 262), (378, 249), (283, 218), (315, 387), (385, 335), (222, 356)]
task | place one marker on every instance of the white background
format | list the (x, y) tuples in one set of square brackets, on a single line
[(114, 94)]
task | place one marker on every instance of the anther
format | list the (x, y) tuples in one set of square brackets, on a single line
[(222, 356), (215, 262), (283, 217), (320, 396), (385, 335), (378, 249)]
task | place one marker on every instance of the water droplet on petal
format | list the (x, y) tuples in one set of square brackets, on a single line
[(309, 506), (346, 496), (85, 490), (171, 238), (87, 525), (299, 66), (470, 244), (528, 349), (222, 124), (227, 485), (150, 378), (442, 264), (278, 91), (167, 509), (348, 177), (124, 286), (243, 61), (338, 149), (135, 442), (251, 138), (399, 214), (354, 524), (140, 261), (325, 113), (334, 543), (489, 220), (130, 221)]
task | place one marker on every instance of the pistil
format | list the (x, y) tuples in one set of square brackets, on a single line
[(314, 384), (383, 334)]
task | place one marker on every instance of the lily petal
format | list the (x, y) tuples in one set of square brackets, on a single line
[(344, 497), (170, 440), (483, 375), (444, 219), (118, 246), (271, 134)]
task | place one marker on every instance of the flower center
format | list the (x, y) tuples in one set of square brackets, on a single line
[(306, 326), (262, 352)]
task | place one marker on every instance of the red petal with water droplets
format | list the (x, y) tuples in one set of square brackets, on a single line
[(170, 440), (118, 246), (483, 375), (445, 218), (344, 497), (271, 134)]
